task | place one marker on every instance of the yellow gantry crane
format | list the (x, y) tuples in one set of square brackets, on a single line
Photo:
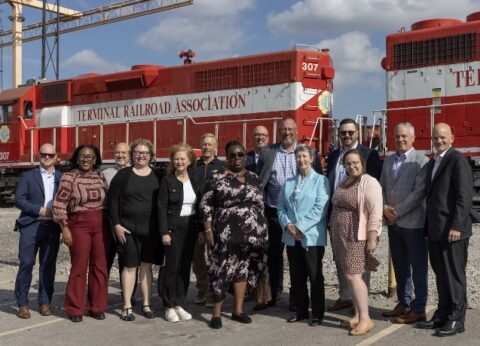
[(69, 20)]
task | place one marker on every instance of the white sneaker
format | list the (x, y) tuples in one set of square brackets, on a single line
[(171, 315), (184, 316)]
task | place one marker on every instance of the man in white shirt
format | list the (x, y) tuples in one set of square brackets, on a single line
[(34, 197)]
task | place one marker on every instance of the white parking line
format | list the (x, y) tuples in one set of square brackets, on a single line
[(384, 332), (38, 325)]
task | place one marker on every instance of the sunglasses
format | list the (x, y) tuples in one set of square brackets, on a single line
[(350, 133), (47, 155), (239, 155), (86, 157)]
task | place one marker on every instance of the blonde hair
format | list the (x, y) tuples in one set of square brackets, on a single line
[(177, 148)]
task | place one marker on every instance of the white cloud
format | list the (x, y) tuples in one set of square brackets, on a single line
[(88, 60), (356, 61), (321, 17), (211, 27)]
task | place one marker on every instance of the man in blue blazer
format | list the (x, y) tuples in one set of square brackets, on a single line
[(336, 173), (260, 141), (34, 197)]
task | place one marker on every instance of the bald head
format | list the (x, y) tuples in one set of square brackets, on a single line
[(442, 137), (47, 156), (260, 138), (122, 154)]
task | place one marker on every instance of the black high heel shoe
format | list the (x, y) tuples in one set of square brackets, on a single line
[(148, 314), (127, 316)]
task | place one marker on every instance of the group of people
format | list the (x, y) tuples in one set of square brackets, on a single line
[(230, 222)]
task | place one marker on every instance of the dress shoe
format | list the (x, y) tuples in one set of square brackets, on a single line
[(97, 315), (127, 315), (315, 322), (76, 319), (432, 323), (216, 322), (340, 305), (199, 298), (297, 318), (263, 306), (242, 318), (397, 311), (361, 331), (410, 318), (23, 312), (45, 310), (148, 313), (450, 328), (209, 302)]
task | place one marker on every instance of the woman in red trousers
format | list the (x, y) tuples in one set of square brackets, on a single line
[(78, 208)]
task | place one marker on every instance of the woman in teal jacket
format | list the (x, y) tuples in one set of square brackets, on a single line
[(302, 212)]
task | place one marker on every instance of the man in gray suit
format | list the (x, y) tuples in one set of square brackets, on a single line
[(403, 184)]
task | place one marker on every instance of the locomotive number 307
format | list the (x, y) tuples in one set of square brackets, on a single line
[(308, 66), (4, 155)]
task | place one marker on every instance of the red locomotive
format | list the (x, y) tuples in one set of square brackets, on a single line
[(167, 105), (433, 75)]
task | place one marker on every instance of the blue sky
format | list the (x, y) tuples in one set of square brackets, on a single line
[(353, 30)]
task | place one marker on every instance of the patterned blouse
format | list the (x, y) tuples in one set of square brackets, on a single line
[(79, 192)]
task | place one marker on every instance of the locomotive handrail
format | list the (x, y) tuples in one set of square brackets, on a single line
[(25, 125), (386, 110)]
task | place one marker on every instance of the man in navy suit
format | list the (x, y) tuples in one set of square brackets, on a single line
[(260, 141), (336, 173), (34, 197)]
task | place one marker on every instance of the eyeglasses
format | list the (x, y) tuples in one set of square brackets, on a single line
[(350, 133), (86, 157), (141, 153), (260, 135), (47, 155), (234, 156)]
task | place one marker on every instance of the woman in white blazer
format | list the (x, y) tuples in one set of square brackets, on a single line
[(302, 213)]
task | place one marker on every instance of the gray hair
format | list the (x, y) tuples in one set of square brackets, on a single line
[(409, 126), (304, 148)]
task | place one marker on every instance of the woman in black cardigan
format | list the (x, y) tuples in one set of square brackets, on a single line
[(132, 202), (178, 202)]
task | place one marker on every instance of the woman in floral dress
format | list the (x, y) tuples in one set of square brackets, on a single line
[(236, 230)]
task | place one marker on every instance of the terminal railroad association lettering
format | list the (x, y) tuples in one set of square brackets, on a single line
[(158, 106)]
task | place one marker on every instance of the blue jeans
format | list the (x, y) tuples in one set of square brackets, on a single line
[(409, 251), (35, 237)]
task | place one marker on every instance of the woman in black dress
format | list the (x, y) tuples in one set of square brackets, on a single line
[(236, 229), (132, 196)]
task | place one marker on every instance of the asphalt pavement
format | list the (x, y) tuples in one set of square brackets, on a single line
[(268, 327)]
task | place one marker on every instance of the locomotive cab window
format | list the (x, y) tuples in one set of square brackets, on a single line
[(6, 113), (28, 109)]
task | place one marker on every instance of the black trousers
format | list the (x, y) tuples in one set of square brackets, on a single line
[(307, 264), (111, 252), (448, 261), (178, 260), (275, 251)]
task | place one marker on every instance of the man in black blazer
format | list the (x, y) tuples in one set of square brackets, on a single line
[(34, 197), (276, 164), (336, 173), (449, 192), (260, 141)]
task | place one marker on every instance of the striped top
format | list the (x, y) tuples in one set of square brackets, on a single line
[(79, 192)]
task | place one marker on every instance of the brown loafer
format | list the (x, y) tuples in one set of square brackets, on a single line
[(397, 311), (23, 312), (410, 318), (340, 305), (45, 310)]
